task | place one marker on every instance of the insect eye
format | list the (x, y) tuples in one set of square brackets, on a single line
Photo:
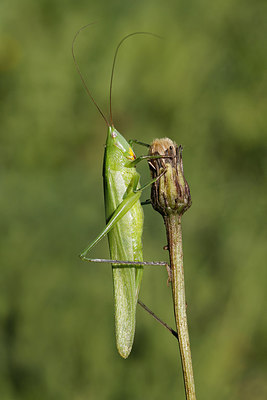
[(131, 154)]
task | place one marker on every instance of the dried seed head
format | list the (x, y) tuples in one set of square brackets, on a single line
[(170, 193)]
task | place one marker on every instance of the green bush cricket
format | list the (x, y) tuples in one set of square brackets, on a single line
[(124, 217)]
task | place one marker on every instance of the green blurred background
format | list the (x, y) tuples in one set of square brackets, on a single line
[(204, 86)]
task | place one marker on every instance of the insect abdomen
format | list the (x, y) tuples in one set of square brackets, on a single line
[(125, 243)]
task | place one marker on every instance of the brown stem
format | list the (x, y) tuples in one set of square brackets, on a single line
[(174, 236)]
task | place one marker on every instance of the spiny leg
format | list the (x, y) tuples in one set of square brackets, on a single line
[(139, 263), (133, 263), (151, 182), (146, 157), (146, 202), (173, 332), (131, 141)]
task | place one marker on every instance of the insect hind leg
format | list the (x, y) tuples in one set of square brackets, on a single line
[(121, 263)]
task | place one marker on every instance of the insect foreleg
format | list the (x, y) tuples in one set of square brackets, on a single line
[(150, 183), (131, 141), (146, 202), (146, 157)]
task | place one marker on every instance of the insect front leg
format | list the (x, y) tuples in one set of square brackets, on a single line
[(146, 202), (150, 183), (131, 141), (146, 157)]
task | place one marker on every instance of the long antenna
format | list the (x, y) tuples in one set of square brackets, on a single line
[(114, 61), (81, 76)]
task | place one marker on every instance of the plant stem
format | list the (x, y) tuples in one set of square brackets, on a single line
[(170, 196), (174, 236)]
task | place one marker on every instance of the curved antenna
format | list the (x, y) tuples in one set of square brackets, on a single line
[(81, 76), (114, 61)]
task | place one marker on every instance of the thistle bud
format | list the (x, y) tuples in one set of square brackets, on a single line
[(170, 193)]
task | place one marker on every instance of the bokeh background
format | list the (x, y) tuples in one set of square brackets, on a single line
[(203, 85)]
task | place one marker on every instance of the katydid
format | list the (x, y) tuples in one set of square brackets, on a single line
[(124, 217)]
